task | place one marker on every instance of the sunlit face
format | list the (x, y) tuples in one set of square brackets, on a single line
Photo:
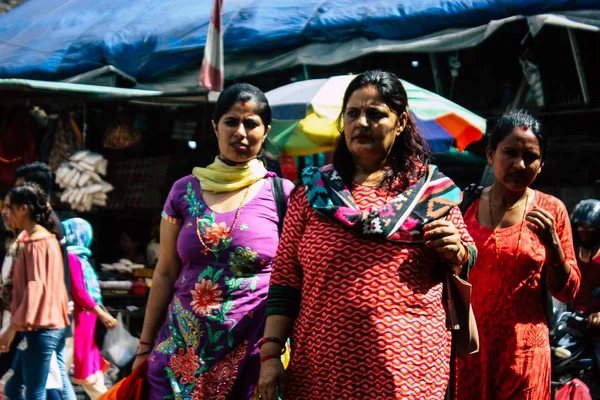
[(517, 160), (240, 132), (6, 214), (370, 126), (19, 215)]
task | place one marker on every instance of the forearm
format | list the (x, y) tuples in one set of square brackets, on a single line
[(557, 266), (278, 326), (13, 328), (99, 311), (156, 308)]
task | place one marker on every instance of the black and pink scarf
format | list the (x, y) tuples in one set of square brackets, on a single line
[(402, 219)]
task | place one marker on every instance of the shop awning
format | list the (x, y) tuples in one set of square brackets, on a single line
[(147, 39), (238, 65), (12, 90)]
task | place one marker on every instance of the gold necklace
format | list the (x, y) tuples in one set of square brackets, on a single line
[(223, 241), (496, 228)]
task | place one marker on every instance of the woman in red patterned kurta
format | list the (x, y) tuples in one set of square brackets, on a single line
[(365, 310), (521, 234)]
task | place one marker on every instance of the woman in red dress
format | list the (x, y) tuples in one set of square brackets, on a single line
[(522, 235), (357, 279)]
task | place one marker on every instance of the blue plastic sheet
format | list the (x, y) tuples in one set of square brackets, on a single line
[(56, 39)]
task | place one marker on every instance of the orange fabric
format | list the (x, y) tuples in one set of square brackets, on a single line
[(134, 387), (76, 130), (514, 357), (39, 298), (372, 322), (463, 131)]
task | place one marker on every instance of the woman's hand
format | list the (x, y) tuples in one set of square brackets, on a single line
[(594, 320), (107, 320), (544, 225), (443, 237), (6, 339), (272, 378)]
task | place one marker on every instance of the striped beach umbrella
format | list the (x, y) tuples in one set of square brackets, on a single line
[(305, 113)]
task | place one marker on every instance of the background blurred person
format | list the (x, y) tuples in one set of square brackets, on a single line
[(39, 309), (586, 227), (89, 364), (41, 174)]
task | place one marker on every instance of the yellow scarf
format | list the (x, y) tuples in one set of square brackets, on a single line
[(219, 177)]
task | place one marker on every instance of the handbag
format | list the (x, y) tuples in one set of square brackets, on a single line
[(134, 387), (461, 320)]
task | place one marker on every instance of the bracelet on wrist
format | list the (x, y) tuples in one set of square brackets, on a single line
[(272, 340), (269, 357), (146, 343), (142, 354), (466, 256)]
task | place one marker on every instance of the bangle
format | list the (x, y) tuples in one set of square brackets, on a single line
[(266, 358), (466, 256), (274, 340), (146, 343), (145, 353)]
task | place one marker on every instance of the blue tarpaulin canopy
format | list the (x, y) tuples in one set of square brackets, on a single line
[(56, 39)]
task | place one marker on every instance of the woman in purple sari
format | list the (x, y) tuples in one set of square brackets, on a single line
[(206, 311)]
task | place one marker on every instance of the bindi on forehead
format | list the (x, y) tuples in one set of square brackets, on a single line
[(521, 134)]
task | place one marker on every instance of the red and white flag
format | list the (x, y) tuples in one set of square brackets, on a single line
[(212, 70)]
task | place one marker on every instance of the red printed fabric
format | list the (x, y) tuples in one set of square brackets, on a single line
[(17, 145), (574, 390), (514, 357), (372, 323)]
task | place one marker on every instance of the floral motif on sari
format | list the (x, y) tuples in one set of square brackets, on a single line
[(192, 370)]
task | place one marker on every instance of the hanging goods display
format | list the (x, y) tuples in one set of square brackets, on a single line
[(121, 134), (81, 177)]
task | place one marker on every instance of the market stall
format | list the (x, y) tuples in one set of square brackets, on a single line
[(114, 153)]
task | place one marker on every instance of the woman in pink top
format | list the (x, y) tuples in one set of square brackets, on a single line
[(90, 366), (39, 306)]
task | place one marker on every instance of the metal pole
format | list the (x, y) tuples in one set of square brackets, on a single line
[(520, 96), (305, 71), (579, 66), (436, 74)]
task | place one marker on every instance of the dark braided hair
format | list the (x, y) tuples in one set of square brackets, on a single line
[(410, 150), (33, 196)]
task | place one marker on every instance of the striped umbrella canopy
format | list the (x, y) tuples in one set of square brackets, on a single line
[(305, 113)]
